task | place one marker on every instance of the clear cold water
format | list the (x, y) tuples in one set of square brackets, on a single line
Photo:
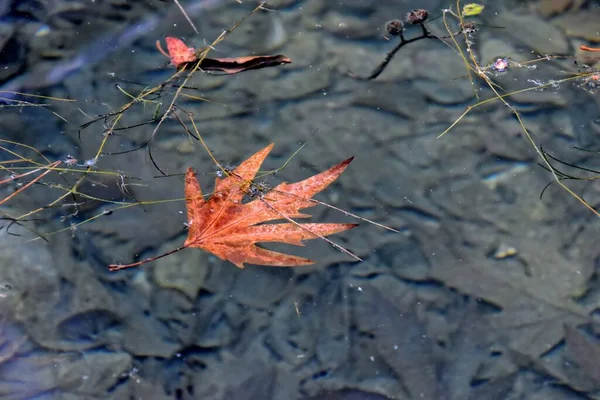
[(487, 291)]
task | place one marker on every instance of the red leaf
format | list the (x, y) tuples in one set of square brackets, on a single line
[(230, 229), (179, 52), (587, 48), (184, 57)]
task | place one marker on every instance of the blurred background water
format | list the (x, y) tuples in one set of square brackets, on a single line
[(487, 292)]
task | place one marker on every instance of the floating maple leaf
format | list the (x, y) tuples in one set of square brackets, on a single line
[(230, 229), (184, 57)]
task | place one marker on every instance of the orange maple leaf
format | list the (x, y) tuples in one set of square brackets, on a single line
[(228, 228)]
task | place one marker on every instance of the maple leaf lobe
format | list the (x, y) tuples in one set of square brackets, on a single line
[(178, 52)]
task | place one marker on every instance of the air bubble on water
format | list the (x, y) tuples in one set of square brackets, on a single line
[(538, 83), (554, 84)]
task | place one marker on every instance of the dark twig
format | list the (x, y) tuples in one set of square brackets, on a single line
[(561, 176), (396, 28)]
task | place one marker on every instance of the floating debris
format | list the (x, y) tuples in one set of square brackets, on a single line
[(504, 251), (500, 65)]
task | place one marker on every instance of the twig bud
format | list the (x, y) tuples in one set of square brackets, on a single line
[(394, 27), (417, 16)]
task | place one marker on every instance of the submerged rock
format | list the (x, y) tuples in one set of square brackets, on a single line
[(541, 36)]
